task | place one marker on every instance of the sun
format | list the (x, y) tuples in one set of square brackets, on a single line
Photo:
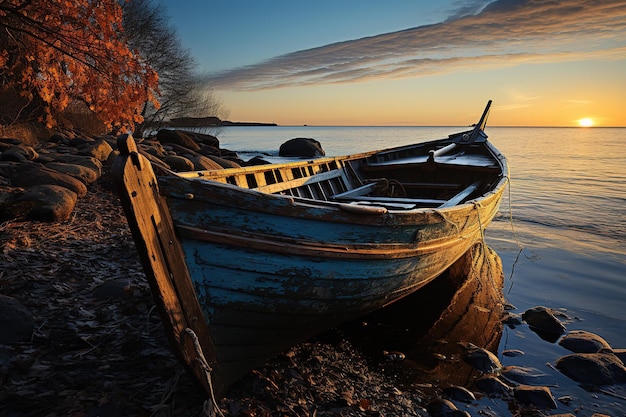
[(585, 122)]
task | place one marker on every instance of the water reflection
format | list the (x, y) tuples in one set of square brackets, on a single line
[(432, 326)]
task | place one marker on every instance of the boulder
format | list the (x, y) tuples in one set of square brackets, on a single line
[(580, 341), (179, 163), (203, 163), (224, 163), (19, 153), (16, 323), (31, 174), (84, 160), (593, 368), (99, 149), (177, 137), (204, 138), (302, 148), (81, 172), (49, 203)]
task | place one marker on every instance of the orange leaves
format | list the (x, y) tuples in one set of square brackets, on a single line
[(64, 50)]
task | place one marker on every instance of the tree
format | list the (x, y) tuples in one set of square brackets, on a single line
[(54, 52), (180, 92)]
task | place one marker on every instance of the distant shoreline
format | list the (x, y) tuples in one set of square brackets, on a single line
[(211, 122)]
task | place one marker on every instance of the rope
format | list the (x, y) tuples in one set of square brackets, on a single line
[(204, 365), (517, 241)]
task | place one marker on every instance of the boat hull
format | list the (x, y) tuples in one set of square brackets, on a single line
[(289, 273)]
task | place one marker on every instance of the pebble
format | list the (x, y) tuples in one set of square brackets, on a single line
[(394, 356)]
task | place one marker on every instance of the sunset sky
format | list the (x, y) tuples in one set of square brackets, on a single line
[(369, 62)]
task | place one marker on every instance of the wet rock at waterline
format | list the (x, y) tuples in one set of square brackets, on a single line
[(543, 321), (524, 375), (482, 360), (593, 368), (580, 341), (456, 393), (492, 386), (302, 148), (445, 408), (540, 397)]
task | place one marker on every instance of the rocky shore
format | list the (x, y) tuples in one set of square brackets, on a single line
[(79, 335)]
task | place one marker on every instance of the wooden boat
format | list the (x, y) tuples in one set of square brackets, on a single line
[(245, 262)]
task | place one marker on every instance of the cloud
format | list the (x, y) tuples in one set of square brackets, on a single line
[(502, 33)]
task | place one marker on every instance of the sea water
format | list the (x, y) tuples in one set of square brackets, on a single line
[(560, 232)]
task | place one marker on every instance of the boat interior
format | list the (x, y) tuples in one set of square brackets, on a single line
[(401, 178)]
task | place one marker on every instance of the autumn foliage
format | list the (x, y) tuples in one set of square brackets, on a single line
[(54, 52)]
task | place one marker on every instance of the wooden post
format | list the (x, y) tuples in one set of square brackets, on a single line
[(163, 261)]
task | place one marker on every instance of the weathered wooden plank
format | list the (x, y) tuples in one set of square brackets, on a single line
[(461, 196), (162, 257), (298, 182)]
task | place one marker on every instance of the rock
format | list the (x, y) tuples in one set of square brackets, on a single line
[(207, 150), (593, 368), (19, 153), (31, 174), (80, 172), (179, 163), (177, 137), (302, 148), (512, 319), (83, 160), (224, 163), (620, 353), (50, 203), (154, 148), (457, 393), (9, 209), (580, 341), (492, 386), (16, 323), (202, 163), (543, 321), (483, 360), (523, 375), (445, 408), (540, 397), (99, 149), (257, 160), (203, 139)]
